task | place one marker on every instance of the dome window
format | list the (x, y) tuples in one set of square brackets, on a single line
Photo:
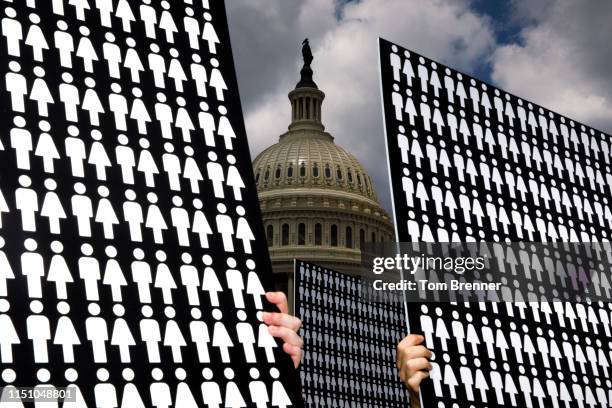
[(333, 236), (277, 174), (359, 179), (327, 172), (267, 175), (349, 176), (315, 170), (290, 171), (302, 169), (301, 234), (270, 234), (361, 239), (257, 177), (285, 235), (349, 237), (318, 234), (338, 173)]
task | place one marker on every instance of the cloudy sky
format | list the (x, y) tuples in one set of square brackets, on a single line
[(556, 53)]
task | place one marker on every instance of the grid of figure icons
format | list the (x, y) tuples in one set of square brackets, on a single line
[(349, 341), (129, 261), (472, 163)]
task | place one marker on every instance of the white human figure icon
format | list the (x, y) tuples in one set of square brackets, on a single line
[(105, 213), (235, 283), (69, 96), (157, 65), (172, 167), (105, 8), (33, 268), (59, 273), (97, 333), (132, 60), (21, 142), (113, 275), (141, 275), (52, 207), (183, 120), (131, 397), (225, 227), (176, 71), (233, 397), (45, 147), (17, 85), (6, 271), (9, 396), (125, 159), (200, 224), (199, 76), (246, 337), (209, 34), (200, 335), (192, 28), (12, 30), (146, 163), (9, 334), (82, 209), (280, 398), (243, 230), (150, 334), (211, 392), (160, 392), (117, 104), (210, 282), (86, 51), (133, 216), (180, 221), (148, 16), (163, 114), (190, 279), (36, 39), (254, 286), (265, 340), (207, 124), (43, 376), (71, 375), (104, 391), (173, 337), (225, 129), (427, 327), (192, 171), (216, 80), (163, 278), (155, 220), (65, 333), (234, 180), (216, 175), (184, 396), (121, 335), (124, 12), (4, 207), (139, 112), (92, 103), (89, 272), (80, 7), (258, 390), (112, 55), (39, 332), (166, 22), (221, 338)]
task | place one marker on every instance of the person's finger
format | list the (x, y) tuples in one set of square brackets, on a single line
[(409, 341), (415, 352), (282, 319), (287, 335), (294, 352), (418, 364), (279, 299), (414, 382)]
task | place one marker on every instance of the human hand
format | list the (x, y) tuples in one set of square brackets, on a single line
[(284, 326), (412, 362)]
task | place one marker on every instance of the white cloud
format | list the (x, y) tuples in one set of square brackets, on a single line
[(563, 60), (346, 61)]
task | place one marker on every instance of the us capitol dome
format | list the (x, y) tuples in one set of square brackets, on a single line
[(318, 202)]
